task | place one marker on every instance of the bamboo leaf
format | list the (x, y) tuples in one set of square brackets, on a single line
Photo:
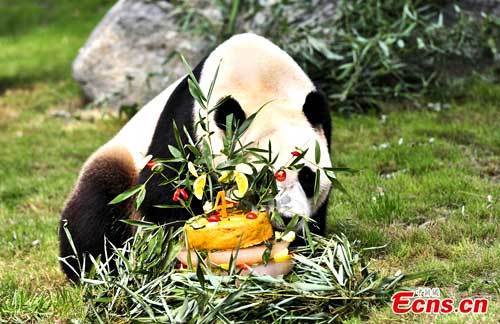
[(337, 185), (168, 206), (177, 136), (175, 152), (298, 158), (317, 180), (196, 93), (247, 122), (139, 223), (140, 197), (190, 73), (212, 84), (292, 225), (127, 194), (276, 217), (317, 153)]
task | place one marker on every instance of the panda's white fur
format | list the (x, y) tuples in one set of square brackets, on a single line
[(257, 73), (254, 72), (137, 134)]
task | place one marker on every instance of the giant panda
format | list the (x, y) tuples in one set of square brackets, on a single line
[(253, 72)]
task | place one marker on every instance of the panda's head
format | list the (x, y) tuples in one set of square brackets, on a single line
[(255, 73)]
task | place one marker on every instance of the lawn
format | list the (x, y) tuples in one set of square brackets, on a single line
[(428, 185)]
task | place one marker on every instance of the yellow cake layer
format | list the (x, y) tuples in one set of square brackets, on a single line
[(231, 231)]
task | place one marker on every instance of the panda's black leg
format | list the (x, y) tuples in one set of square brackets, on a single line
[(87, 214)]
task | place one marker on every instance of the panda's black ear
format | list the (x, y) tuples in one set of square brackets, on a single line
[(315, 108), (317, 113), (228, 106)]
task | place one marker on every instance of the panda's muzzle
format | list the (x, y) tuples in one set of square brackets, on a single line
[(290, 201)]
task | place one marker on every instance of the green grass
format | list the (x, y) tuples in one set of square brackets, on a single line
[(427, 200), (40, 38)]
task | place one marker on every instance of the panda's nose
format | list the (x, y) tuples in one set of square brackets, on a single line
[(284, 203), (284, 200)]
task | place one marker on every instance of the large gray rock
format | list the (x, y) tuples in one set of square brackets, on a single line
[(125, 60)]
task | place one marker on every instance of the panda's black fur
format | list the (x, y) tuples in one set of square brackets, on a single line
[(178, 109), (89, 218), (229, 106), (87, 215), (317, 113)]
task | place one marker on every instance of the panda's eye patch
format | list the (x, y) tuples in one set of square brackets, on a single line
[(306, 180), (229, 106)]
